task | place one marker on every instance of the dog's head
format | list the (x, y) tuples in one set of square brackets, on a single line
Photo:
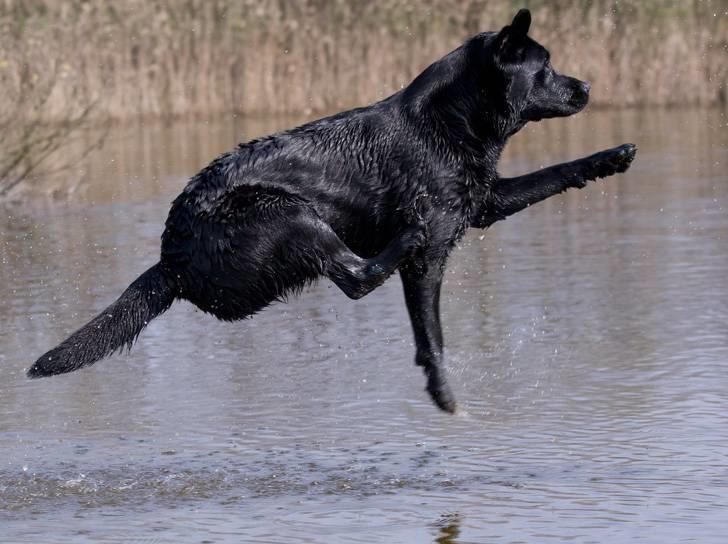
[(527, 82), (492, 85)]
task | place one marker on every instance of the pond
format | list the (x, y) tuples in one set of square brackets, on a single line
[(586, 340)]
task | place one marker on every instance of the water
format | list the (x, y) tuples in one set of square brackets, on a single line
[(587, 342)]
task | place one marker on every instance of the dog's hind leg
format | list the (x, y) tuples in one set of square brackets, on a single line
[(357, 276), (422, 293), (511, 195)]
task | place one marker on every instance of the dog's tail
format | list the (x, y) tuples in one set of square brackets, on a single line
[(113, 329)]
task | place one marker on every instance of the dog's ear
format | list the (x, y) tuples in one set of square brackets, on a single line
[(510, 40), (521, 22)]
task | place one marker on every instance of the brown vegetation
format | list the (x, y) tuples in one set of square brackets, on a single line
[(65, 64), (185, 57)]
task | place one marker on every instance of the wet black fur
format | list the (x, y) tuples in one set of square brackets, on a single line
[(356, 196)]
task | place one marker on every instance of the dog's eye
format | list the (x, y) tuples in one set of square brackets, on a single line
[(542, 76), (547, 72)]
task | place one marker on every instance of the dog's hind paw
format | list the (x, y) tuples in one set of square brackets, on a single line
[(415, 237)]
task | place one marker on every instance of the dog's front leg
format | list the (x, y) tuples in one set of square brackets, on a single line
[(422, 293), (511, 195)]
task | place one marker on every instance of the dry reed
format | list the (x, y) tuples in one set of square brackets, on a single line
[(203, 57)]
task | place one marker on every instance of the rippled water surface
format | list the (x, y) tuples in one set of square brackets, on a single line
[(587, 342)]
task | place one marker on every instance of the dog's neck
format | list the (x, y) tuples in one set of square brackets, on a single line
[(453, 113), (460, 141)]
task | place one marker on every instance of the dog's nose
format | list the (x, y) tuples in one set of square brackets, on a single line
[(580, 92)]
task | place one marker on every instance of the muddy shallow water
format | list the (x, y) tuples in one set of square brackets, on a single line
[(587, 342)]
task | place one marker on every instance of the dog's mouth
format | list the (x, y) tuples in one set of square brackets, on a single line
[(569, 99), (562, 110)]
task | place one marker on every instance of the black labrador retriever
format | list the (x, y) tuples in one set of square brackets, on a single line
[(356, 196)]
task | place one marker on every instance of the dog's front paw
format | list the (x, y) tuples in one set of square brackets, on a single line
[(616, 160), (442, 396)]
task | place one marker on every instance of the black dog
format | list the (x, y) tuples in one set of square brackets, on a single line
[(354, 197)]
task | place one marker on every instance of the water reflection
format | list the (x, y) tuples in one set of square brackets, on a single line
[(586, 339), (449, 529)]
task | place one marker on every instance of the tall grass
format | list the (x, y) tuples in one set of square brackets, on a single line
[(202, 57)]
